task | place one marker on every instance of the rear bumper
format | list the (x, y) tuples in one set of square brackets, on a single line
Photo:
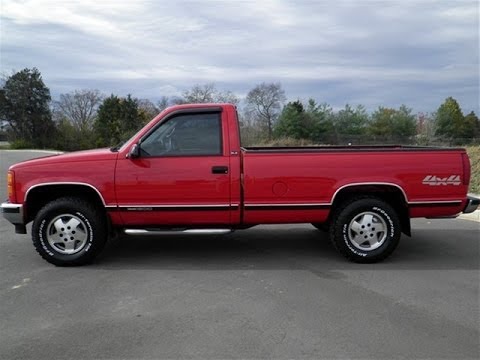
[(13, 213), (472, 204)]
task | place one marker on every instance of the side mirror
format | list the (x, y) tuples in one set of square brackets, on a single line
[(134, 152)]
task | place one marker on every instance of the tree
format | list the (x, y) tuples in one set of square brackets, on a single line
[(108, 121), (74, 115), (320, 120), (80, 108), (393, 124), (382, 123), (208, 93), (449, 119), (404, 123), (425, 128), (131, 120), (163, 103), (118, 118), (251, 132), (470, 127), (166, 101), (226, 97), (351, 121), (265, 102), (426, 124), (147, 109), (67, 138), (292, 122), (310, 122), (200, 94), (24, 105)]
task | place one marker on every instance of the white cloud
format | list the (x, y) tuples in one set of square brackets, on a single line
[(165, 47), (94, 17)]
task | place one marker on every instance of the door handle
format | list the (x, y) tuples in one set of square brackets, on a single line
[(220, 170)]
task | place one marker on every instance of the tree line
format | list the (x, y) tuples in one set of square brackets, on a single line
[(85, 119)]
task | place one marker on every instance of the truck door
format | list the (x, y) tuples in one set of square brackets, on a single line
[(181, 176)]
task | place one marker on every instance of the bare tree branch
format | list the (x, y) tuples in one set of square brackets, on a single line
[(266, 100), (79, 107)]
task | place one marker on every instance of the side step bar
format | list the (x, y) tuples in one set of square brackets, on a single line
[(177, 232)]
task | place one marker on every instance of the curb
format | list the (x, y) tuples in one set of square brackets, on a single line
[(475, 216), (33, 150)]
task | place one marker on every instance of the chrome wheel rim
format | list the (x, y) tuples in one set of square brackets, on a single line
[(367, 231), (67, 234)]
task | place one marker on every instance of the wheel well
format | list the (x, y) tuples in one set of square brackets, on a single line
[(42, 195), (392, 195)]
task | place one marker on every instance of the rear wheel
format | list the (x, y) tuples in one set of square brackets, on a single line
[(365, 230), (69, 232)]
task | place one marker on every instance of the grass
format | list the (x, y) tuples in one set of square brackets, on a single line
[(474, 155), (4, 145)]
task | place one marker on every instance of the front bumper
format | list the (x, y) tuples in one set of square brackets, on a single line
[(472, 204), (14, 213)]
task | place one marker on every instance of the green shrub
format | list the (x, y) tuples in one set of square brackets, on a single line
[(20, 144)]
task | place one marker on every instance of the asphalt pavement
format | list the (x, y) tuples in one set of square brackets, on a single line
[(267, 292)]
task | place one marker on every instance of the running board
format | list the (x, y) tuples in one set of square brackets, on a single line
[(177, 232)]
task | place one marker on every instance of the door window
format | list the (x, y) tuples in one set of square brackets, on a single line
[(185, 135)]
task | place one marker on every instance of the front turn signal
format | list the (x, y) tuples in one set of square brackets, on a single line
[(11, 186)]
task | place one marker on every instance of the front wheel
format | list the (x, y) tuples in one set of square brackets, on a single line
[(366, 230), (69, 232)]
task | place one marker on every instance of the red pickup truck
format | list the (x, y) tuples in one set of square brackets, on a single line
[(186, 172)]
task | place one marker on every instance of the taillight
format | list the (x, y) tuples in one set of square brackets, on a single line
[(466, 169), (11, 187)]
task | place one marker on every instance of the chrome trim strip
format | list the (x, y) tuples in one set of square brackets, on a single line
[(8, 205), (135, 231), (444, 217), (176, 206), (177, 232), (370, 183), (63, 183), (287, 207), (207, 231), (287, 204), (453, 202)]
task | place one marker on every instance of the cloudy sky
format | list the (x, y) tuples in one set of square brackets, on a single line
[(358, 52)]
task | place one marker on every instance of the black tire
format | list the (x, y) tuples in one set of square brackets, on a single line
[(351, 231), (325, 227), (86, 237)]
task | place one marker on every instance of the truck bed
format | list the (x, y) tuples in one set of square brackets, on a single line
[(298, 183), (349, 148)]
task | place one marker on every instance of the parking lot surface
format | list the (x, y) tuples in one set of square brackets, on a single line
[(267, 292)]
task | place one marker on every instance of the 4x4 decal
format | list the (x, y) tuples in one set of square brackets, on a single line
[(433, 180)]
